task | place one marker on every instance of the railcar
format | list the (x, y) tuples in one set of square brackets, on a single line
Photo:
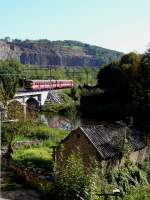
[(47, 84)]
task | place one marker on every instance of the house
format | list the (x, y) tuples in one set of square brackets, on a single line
[(105, 143)]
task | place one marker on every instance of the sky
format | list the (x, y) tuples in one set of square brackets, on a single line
[(122, 25)]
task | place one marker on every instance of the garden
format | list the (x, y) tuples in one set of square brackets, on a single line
[(32, 144)]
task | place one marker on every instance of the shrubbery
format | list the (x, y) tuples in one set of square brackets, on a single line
[(140, 193), (73, 182), (12, 131)]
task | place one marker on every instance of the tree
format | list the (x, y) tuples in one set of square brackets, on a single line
[(111, 77), (143, 111), (132, 60), (121, 89), (120, 75), (145, 72), (9, 79)]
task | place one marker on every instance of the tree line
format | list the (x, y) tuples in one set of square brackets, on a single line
[(124, 92)]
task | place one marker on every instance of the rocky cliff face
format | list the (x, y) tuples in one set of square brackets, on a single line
[(8, 51), (57, 53)]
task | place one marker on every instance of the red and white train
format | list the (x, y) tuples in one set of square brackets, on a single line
[(47, 84)]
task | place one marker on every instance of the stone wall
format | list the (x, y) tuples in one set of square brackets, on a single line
[(28, 177)]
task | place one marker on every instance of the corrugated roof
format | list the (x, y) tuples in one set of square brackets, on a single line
[(107, 137)]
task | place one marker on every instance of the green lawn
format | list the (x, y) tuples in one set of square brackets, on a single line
[(40, 157)]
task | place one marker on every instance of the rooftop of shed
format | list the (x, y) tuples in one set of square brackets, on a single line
[(108, 139)]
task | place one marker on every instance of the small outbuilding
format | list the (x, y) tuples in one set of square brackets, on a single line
[(107, 143)]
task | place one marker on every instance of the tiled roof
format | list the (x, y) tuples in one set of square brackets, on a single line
[(107, 137)]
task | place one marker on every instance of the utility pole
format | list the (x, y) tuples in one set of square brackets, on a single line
[(87, 77), (49, 71)]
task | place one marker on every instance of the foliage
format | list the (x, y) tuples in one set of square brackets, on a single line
[(120, 78), (110, 76), (145, 166), (128, 178), (30, 130), (138, 194), (15, 111), (142, 121), (126, 92), (36, 141), (9, 132), (68, 107), (74, 182), (9, 77)]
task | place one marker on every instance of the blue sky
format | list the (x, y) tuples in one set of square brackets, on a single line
[(122, 25)]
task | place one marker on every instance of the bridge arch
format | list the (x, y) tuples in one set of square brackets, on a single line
[(32, 104)]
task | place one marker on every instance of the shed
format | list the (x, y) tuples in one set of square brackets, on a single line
[(103, 143)]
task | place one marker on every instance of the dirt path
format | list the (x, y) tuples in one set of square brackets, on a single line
[(11, 190)]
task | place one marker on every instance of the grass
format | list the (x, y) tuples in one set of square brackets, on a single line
[(43, 132), (21, 138), (40, 157)]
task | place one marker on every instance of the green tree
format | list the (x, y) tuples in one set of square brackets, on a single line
[(121, 89), (145, 74), (143, 111), (9, 78), (111, 77)]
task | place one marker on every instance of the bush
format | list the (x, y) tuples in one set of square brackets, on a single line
[(127, 179), (139, 194), (73, 182)]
